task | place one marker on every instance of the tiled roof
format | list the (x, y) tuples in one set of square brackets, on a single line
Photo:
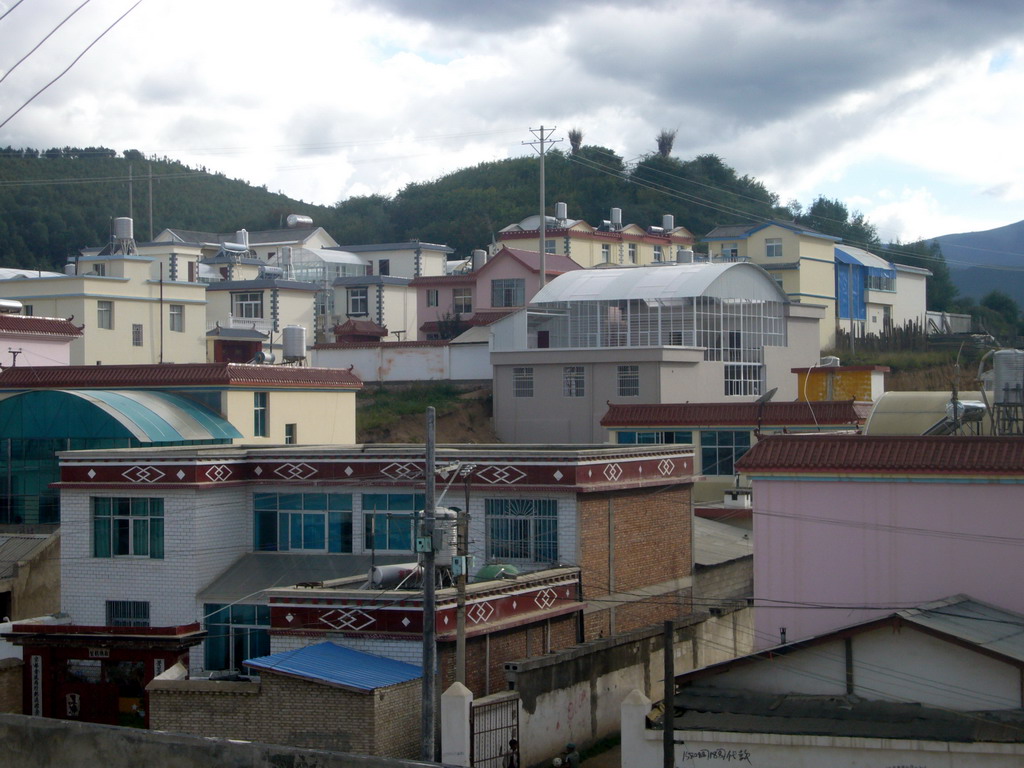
[(174, 375), (38, 326), (479, 318), (332, 664), (385, 345), (957, 455), (464, 279), (783, 414), (362, 327), (553, 263)]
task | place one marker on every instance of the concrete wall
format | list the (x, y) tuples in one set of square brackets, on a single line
[(403, 362), (10, 685), (725, 581), (36, 583), (287, 710), (703, 749), (576, 695), (36, 742)]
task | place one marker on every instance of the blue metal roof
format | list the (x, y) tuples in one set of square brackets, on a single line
[(332, 664)]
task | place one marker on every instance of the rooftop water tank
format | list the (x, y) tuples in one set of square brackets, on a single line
[(561, 211), (1008, 376), (295, 220), (294, 343), (124, 228)]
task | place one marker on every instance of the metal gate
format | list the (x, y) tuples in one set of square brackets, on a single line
[(492, 723)]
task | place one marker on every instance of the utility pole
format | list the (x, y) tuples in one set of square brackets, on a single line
[(540, 144), (466, 471), (425, 545)]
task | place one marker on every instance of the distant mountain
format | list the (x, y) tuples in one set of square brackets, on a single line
[(981, 262)]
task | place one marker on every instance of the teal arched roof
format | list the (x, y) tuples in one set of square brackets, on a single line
[(148, 417)]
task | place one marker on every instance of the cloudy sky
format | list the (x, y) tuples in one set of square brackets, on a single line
[(909, 111)]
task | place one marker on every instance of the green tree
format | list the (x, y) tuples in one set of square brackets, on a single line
[(941, 292), (832, 217)]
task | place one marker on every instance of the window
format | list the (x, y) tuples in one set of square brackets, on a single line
[(291, 434), (432, 297), (462, 301), (384, 267), (654, 437), (658, 255), (127, 613), (629, 380), (105, 314), (176, 317), (136, 334), (236, 633), (881, 283), (730, 252), (522, 530), (606, 252), (358, 303), (773, 247), (632, 253), (549, 246), (508, 293), (249, 304), (522, 382), (288, 522), (100, 270), (260, 408), (721, 449), (743, 378), (572, 381), (27, 310), (127, 527), (388, 519)]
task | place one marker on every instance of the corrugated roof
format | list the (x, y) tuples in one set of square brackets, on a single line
[(712, 709), (258, 571), (174, 375), (16, 548), (951, 454), (974, 622), (332, 664), (846, 254), (38, 326), (715, 542), (773, 414)]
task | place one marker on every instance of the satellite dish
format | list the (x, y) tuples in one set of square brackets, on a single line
[(767, 395)]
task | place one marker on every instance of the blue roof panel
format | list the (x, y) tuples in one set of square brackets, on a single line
[(332, 664)]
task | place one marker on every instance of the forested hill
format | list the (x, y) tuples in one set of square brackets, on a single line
[(57, 201)]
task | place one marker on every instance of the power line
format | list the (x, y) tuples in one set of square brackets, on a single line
[(48, 36), (69, 66)]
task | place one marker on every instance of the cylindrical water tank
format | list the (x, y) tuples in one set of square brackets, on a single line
[(561, 211), (479, 259), (295, 220), (71, 268), (294, 342), (124, 228), (668, 222), (616, 217), (1008, 376), (390, 576)]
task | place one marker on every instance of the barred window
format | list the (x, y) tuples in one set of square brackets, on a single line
[(522, 382), (127, 613), (524, 530), (136, 334), (572, 381), (629, 380)]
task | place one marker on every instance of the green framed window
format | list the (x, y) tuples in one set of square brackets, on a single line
[(127, 527)]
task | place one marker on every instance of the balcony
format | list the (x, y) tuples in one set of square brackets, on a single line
[(260, 324)]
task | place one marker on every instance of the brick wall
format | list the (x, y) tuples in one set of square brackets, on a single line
[(631, 541), (726, 581), (10, 685), (293, 712), (486, 656)]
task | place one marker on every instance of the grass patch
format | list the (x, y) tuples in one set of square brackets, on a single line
[(383, 407)]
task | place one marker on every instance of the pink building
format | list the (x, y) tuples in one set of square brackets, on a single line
[(507, 281), (848, 527), (36, 340)]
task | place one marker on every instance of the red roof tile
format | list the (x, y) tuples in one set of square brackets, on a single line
[(175, 375), (822, 454), (362, 327), (463, 279), (785, 414), (41, 326)]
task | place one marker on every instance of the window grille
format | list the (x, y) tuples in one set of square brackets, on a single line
[(522, 382), (572, 381), (127, 613), (522, 530), (629, 380)]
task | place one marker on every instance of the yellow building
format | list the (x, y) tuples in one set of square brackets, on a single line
[(132, 312), (610, 244)]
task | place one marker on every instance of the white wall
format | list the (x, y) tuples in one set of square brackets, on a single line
[(401, 362)]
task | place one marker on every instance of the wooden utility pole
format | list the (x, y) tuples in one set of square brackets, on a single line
[(466, 471)]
